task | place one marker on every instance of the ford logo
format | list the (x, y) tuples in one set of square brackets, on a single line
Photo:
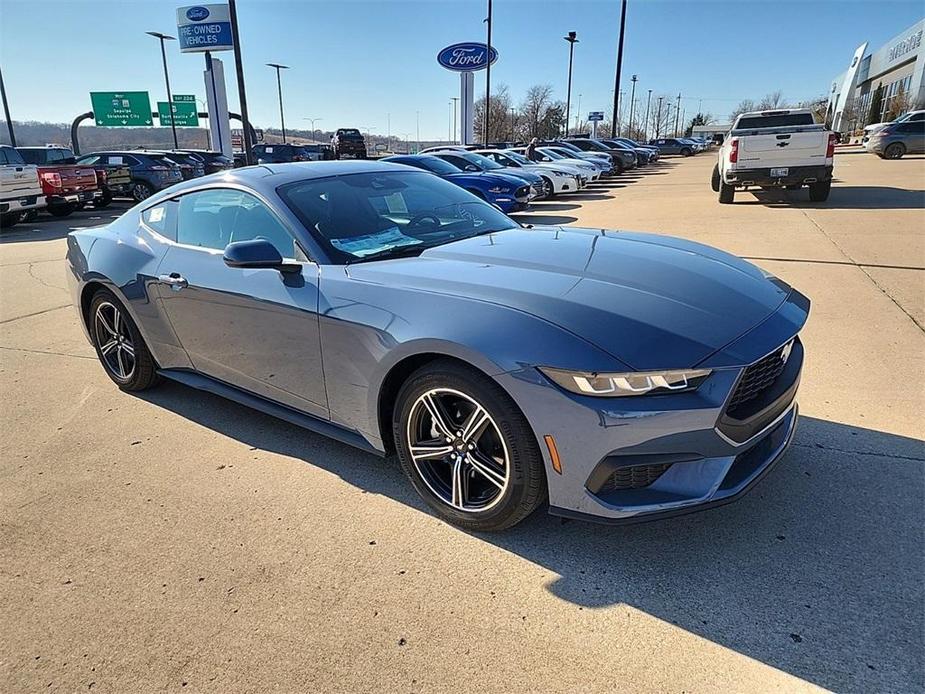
[(197, 14), (466, 57)]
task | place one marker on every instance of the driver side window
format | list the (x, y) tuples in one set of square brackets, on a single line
[(214, 218)]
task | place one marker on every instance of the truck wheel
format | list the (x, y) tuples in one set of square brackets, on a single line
[(726, 193), (10, 219), (714, 180), (102, 202), (61, 210), (895, 151), (819, 192)]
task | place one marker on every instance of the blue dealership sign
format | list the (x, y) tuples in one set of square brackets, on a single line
[(204, 28), (466, 57)]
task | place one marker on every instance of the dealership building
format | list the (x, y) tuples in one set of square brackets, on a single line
[(898, 66)]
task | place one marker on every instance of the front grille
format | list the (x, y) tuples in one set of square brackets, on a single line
[(756, 379), (633, 477)]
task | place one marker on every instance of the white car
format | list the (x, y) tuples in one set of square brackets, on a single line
[(556, 179), (598, 165), (20, 188)]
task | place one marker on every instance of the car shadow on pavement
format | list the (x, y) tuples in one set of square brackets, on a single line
[(817, 572), (842, 198), (530, 218)]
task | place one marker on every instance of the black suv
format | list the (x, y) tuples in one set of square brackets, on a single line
[(280, 154), (349, 142)]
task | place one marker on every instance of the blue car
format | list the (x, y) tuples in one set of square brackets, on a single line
[(618, 376), (509, 193), (471, 162)]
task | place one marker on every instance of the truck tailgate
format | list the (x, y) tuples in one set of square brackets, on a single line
[(785, 149), (77, 177), (16, 181)]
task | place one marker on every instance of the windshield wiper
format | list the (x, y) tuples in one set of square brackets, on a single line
[(394, 252)]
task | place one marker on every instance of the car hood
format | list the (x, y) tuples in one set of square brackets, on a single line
[(650, 301), (489, 178)]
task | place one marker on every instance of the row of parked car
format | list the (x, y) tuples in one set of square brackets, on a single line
[(53, 179)]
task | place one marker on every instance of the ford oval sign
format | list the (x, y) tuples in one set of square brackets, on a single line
[(197, 14), (466, 57)]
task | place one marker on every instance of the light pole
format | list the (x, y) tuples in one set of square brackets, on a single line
[(388, 118), (312, 120), (667, 117), (487, 80), (454, 99), (677, 113), (616, 82), (449, 122), (6, 111), (242, 94), (632, 104), (578, 114), (572, 39), (417, 125), (513, 112), (658, 118), (646, 123), (279, 89), (164, 37)]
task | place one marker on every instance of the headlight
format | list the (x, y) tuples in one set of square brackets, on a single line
[(499, 189), (616, 385)]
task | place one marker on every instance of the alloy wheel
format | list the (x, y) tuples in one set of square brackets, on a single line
[(457, 449), (114, 340)]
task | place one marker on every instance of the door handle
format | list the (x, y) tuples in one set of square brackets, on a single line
[(174, 281)]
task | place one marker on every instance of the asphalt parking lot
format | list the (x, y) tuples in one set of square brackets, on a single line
[(174, 541)]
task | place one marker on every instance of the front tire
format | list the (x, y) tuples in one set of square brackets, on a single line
[(548, 188), (894, 151), (819, 192), (10, 219), (119, 346), (467, 448), (726, 193), (686, 152)]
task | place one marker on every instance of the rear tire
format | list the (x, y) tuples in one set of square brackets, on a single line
[(726, 193), (103, 202), (714, 179), (127, 360), (504, 445), (9, 219), (819, 192), (548, 188), (686, 152)]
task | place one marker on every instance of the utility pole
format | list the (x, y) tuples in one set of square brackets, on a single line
[(449, 122), (388, 117), (658, 119), (616, 82), (6, 112), (646, 122), (578, 115), (632, 104), (618, 119), (677, 113), (487, 113), (572, 40), (667, 118), (245, 121), (279, 88), (513, 112), (164, 37)]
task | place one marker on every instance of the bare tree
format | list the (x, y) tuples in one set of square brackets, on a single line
[(771, 101), (898, 104), (534, 109), (499, 115), (745, 106)]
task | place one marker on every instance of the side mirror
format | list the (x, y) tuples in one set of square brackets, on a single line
[(718, 139), (256, 254)]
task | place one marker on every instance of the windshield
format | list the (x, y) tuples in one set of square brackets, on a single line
[(484, 163), (551, 153), (370, 216), (597, 145), (430, 163), (519, 158)]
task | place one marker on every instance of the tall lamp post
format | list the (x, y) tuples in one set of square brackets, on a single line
[(578, 114), (658, 118), (164, 37), (616, 81), (632, 104), (312, 120), (242, 92), (279, 89), (6, 112), (645, 124), (572, 39)]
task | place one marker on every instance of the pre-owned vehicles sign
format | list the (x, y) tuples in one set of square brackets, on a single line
[(204, 28)]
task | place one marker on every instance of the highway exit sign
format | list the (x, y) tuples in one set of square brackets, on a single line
[(184, 114), (121, 109)]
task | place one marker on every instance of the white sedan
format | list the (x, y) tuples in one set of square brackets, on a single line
[(556, 179)]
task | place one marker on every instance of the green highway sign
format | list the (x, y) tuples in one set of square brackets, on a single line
[(121, 109), (184, 114), (185, 97)]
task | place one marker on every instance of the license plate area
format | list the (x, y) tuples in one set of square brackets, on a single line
[(779, 173)]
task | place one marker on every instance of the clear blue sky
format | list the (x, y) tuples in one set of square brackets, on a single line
[(355, 62)]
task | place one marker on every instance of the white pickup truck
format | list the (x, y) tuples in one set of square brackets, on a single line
[(20, 189), (770, 149)]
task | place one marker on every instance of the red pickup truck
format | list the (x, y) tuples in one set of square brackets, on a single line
[(67, 187)]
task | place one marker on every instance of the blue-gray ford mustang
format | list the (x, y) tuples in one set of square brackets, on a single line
[(619, 376)]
